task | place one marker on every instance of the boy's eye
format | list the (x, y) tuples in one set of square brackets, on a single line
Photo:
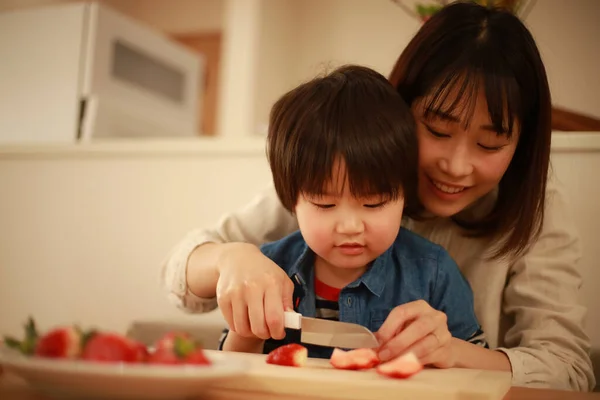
[(376, 205), (324, 206)]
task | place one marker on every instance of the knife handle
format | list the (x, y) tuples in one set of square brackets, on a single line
[(292, 320)]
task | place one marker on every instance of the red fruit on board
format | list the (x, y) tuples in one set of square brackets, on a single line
[(61, 342), (402, 367), (354, 359), (112, 347), (290, 355)]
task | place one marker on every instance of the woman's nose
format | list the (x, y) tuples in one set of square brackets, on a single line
[(456, 163)]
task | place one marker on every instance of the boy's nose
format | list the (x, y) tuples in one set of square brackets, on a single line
[(350, 225)]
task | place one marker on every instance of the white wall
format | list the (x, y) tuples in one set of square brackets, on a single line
[(567, 34), (83, 233)]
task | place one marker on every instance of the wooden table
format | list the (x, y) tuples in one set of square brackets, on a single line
[(13, 388)]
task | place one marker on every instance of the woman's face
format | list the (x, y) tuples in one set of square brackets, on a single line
[(458, 162)]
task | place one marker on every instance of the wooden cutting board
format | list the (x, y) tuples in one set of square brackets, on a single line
[(319, 379)]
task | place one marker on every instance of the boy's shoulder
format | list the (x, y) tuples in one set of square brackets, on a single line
[(286, 251)]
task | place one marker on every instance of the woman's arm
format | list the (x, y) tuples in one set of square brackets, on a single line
[(194, 258), (546, 343), (468, 355)]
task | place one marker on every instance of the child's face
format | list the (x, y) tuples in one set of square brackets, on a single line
[(347, 232)]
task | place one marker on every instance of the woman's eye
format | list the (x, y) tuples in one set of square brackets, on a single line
[(436, 133), (323, 206), (489, 148), (376, 205)]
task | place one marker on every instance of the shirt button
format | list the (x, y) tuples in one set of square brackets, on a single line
[(349, 301)]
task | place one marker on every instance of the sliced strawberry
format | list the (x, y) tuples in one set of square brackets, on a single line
[(112, 347), (402, 367), (290, 355), (354, 359), (62, 342)]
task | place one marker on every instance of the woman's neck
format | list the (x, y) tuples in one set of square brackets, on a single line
[(334, 276)]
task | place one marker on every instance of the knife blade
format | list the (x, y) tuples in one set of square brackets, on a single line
[(324, 332)]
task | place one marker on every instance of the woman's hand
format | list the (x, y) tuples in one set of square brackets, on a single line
[(417, 327), (253, 292)]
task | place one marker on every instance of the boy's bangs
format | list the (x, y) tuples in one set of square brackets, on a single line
[(456, 96), (370, 169)]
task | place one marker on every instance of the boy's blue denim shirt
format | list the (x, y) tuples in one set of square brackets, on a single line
[(413, 268)]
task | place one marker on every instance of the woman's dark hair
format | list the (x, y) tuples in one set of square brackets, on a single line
[(352, 115), (460, 48)]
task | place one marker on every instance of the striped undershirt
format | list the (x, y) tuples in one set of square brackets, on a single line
[(327, 301)]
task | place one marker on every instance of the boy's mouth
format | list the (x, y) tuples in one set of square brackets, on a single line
[(351, 248)]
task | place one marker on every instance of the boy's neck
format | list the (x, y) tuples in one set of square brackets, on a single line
[(334, 276)]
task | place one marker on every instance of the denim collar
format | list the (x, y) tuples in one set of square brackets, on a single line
[(373, 278)]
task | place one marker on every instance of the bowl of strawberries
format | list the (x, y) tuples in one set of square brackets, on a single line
[(69, 362)]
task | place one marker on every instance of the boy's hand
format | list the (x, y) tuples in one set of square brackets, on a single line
[(235, 342), (253, 292), (417, 327)]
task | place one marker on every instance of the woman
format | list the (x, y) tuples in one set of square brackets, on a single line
[(478, 90)]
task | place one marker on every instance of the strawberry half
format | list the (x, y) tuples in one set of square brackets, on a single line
[(289, 355), (354, 359), (112, 347), (402, 367)]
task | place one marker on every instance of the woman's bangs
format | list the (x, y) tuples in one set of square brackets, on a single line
[(455, 97)]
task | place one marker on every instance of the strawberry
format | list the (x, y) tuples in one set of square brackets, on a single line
[(61, 342), (402, 367), (168, 341), (112, 347), (178, 348), (354, 359), (290, 355), (164, 356), (197, 357)]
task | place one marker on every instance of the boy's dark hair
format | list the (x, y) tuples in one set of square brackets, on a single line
[(352, 114), (466, 46)]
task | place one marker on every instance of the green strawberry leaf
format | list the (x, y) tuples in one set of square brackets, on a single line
[(12, 343), (183, 347), (31, 337)]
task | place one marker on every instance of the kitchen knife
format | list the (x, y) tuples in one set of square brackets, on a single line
[(324, 332)]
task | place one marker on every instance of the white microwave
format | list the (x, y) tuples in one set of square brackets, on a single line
[(78, 71)]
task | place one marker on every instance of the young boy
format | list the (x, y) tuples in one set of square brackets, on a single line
[(343, 155)]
